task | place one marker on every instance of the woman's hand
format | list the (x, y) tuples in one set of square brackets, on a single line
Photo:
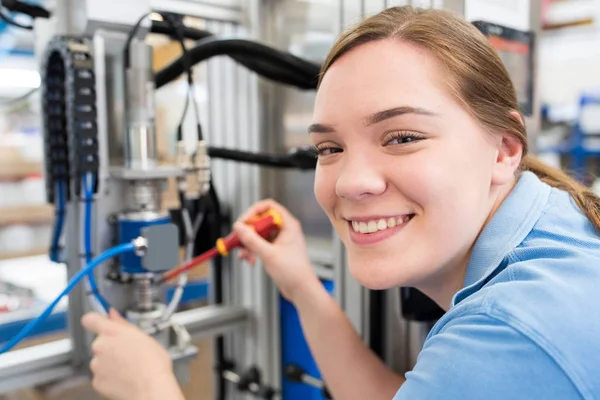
[(285, 258), (127, 363)]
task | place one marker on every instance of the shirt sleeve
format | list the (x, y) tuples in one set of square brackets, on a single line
[(480, 357)]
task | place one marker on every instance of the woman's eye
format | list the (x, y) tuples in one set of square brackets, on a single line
[(403, 138), (327, 150)]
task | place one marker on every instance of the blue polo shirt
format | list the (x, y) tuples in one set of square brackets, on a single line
[(526, 324)]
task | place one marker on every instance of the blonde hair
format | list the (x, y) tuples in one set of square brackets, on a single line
[(476, 77)]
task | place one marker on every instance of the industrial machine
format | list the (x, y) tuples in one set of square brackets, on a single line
[(107, 180)]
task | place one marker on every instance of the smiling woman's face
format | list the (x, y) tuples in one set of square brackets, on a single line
[(404, 172)]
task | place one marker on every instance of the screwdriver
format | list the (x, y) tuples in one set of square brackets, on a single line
[(264, 224)]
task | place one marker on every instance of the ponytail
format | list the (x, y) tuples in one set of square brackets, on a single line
[(587, 201)]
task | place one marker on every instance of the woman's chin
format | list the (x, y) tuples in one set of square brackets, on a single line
[(374, 277)]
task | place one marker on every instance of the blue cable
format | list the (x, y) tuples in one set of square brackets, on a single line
[(108, 254), (59, 214), (87, 234)]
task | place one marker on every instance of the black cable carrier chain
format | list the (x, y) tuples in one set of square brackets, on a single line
[(69, 114)]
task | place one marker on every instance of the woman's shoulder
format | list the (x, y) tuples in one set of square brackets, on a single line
[(474, 351), (562, 222), (545, 296)]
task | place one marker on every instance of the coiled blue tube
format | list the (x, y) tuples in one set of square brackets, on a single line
[(108, 254), (88, 197)]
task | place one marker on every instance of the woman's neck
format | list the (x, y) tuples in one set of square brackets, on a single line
[(451, 277)]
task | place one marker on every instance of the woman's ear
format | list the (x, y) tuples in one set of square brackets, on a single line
[(510, 152)]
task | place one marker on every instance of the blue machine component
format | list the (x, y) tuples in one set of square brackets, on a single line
[(575, 145), (295, 350), (130, 228)]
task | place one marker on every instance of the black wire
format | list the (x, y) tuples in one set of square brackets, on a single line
[(307, 73), (177, 29), (130, 38), (170, 21), (14, 23)]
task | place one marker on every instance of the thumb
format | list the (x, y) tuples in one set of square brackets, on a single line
[(251, 240), (115, 316)]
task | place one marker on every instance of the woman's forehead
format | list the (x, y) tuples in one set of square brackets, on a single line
[(378, 76)]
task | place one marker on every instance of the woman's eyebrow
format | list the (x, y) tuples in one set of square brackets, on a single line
[(320, 128), (396, 111), (377, 117)]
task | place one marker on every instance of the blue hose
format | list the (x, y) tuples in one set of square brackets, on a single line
[(108, 254), (87, 233), (59, 214)]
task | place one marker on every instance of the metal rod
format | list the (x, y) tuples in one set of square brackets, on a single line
[(50, 362), (35, 365), (77, 299)]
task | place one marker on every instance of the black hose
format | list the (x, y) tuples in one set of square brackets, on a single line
[(306, 72), (300, 158), (12, 22), (32, 10), (265, 69), (164, 28)]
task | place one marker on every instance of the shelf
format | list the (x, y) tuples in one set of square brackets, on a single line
[(39, 214), (22, 254), (18, 170)]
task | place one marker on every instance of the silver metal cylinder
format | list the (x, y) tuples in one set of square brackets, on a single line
[(202, 162), (144, 293), (144, 196), (146, 320), (140, 140)]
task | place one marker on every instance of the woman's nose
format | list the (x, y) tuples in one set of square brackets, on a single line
[(359, 178)]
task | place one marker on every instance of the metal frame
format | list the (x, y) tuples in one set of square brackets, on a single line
[(65, 358)]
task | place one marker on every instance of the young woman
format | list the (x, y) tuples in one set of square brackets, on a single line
[(424, 173)]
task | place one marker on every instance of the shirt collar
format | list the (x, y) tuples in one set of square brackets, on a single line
[(509, 226)]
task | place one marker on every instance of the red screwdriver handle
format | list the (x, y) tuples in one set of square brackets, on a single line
[(264, 224)]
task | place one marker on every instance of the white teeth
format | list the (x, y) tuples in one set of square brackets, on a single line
[(372, 226), (362, 227), (380, 224)]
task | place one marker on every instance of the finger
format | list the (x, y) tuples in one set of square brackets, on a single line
[(115, 316), (96, 323), (97, 345), (250, 261), (263, 206), (255, 209), (252, 240)]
